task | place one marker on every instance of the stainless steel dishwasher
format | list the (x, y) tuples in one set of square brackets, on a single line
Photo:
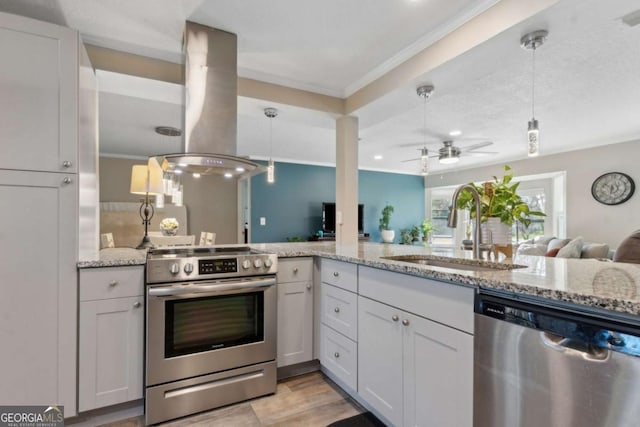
[(540, 366)]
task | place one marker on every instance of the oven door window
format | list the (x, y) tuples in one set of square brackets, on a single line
[(209, 323)]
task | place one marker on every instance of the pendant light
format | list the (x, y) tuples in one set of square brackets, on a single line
[(424, 92), (271, 172), (532, 41)]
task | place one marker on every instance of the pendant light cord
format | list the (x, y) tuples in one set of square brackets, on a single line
[(270, 138), (424, 121), (533, 82)]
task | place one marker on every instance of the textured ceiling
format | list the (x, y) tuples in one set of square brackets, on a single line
[(587, 89)]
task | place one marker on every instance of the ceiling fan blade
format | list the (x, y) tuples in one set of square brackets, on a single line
[(410, 160), (479, 153), (476, 146), (417, 144)]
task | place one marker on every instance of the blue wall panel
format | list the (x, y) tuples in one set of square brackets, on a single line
[(292, 205)]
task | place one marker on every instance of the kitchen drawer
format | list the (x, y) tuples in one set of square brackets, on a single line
[(339, 355), (341, 274), (111, 282), (295, 270), (339, 310)]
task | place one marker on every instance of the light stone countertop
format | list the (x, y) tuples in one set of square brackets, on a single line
[(590, 283)]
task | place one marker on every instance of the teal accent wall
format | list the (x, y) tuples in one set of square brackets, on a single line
[(292, 205)]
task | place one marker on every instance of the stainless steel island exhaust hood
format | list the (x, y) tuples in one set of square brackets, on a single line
[(211, 107)]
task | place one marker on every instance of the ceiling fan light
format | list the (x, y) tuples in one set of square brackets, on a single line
[(448, 160)]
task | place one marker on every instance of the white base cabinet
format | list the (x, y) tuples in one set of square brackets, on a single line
[(412, 370), (295, 311), (111, 336)]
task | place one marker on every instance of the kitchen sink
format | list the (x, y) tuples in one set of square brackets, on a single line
[(456, 264)]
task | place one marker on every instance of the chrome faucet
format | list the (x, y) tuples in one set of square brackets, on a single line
[(452, 220)]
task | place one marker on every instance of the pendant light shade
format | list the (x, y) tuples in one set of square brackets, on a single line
[(271, 169), (532, 41), (424, 162)]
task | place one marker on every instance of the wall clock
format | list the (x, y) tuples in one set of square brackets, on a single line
[(613, 188)]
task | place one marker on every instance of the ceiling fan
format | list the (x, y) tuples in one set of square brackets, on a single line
[(449, 153)]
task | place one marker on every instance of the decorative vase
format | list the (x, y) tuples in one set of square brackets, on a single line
[(388, 235), (169, 231), (495, 232)]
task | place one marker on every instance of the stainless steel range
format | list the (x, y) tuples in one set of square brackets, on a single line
[(210, 329)]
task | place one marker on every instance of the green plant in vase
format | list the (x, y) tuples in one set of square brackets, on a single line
[(499, 204), (427, 228), (387, 234)]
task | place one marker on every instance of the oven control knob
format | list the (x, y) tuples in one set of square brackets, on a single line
[(175, 268), (246, 264), (188, 268), (257, 263), (268, 263)]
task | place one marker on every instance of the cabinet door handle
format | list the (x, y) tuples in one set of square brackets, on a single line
[(336, 274), (66, 164), (337, 309), (136, 304), (336, 354), (309, 286), (405, 322), (66, 180), (395, 318), (295, 270), (113, 283)]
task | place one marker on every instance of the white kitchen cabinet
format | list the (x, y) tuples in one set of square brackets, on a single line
[(48, 179), (111, 336), (38, 307), (295, 311), (413, 371), (39, 86), (339, 322)]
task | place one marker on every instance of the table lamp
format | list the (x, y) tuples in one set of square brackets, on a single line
[(146, 179)]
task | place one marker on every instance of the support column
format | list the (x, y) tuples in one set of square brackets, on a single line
[(347, 181)]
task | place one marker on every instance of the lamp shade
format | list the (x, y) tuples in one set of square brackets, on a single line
[(146, 180)]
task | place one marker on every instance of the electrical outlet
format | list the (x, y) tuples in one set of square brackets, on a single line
[(263, 220)]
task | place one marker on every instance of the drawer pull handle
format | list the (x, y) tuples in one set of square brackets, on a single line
[(295, 270), (66, 181), (337, 309), (136, 304), (113, 283), (395, 318), (309, 286), (66, 164), (336, 274), (405, 322), (336, 354)]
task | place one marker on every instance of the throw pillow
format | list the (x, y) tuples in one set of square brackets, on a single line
[(543, 240), (557, 243), (531, 249), (595, 250), (573, 249), (629, 249), (552, 253)]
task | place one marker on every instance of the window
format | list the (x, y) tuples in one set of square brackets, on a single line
[(536, 199)]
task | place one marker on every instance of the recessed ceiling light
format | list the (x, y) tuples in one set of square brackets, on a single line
[(182, 165), (228, 175), (455, 132), (378, 157), (196, 175), (177, 171), (239, 169)]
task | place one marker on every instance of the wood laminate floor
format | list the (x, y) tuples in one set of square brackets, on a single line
[(310, 400)]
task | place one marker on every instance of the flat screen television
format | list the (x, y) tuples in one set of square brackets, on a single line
[(329, 218)]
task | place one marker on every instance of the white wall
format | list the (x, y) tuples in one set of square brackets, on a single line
[(585, 217)]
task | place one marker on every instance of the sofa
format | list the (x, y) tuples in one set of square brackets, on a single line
[(565, 248)]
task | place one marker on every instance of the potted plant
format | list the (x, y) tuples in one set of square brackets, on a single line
[(414, 232), (427, 227), (405, 236), (500, 207), (387, 234)]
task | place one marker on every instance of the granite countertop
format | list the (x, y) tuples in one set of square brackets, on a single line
[(116, 257), (587, 282), (590, 283)]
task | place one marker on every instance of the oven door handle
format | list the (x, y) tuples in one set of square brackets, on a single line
[(193, 288)]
